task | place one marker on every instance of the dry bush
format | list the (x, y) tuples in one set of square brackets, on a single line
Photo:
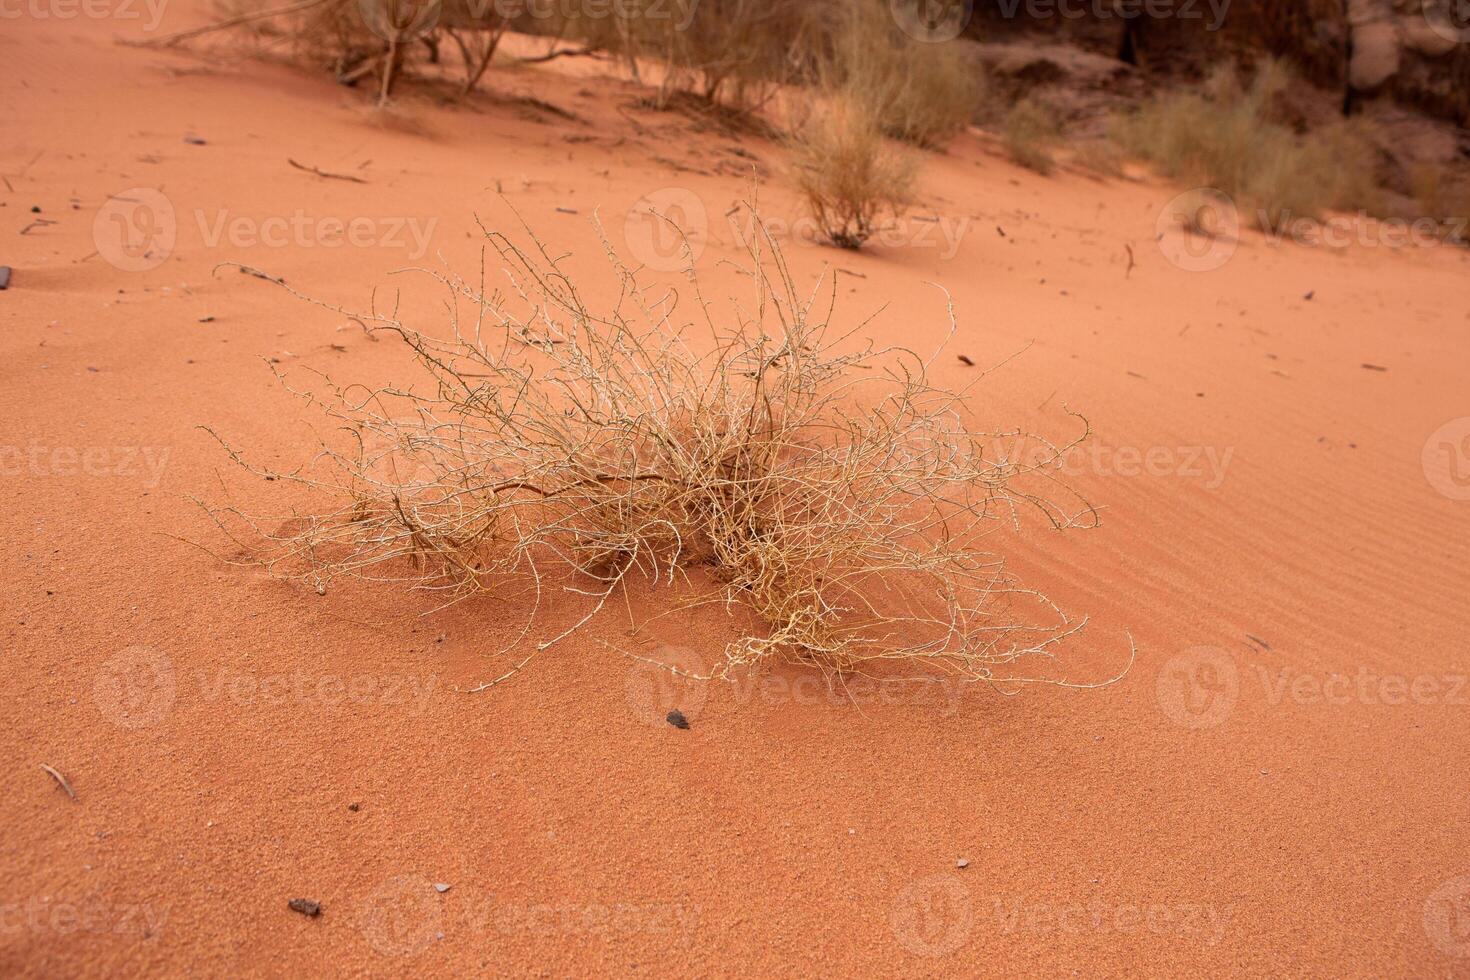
[(740, 51), (1099, 156), (851, 179), (1441, 192), (1227, 135), (358, 39), (761, 459), (921, 93), (734, 51), (1028, 132)]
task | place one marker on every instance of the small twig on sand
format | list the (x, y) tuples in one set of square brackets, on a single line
[(1128, 273), (323, 173), (61, 780), (250, 270)]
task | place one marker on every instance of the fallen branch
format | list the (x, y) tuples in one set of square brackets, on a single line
[(323, 173), (61, 781)]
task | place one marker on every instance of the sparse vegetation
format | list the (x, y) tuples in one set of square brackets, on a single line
[(1442, 193), (920, 93), (1029, 132), (1099, 156), (767, 460), (1228, 135), (851, 179), (734, 51)]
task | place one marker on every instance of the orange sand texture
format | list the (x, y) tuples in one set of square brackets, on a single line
[(1277, 787)]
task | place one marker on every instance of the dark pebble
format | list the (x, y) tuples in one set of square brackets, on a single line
[(4, 277), (306, 907), (677, 719)]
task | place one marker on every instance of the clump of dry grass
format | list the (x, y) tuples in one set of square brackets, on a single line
[(734, 51), (1100, 156), (761, 458), (921, 93), (851, 179), (1228, 135), (1441, 191), (1028, 132)]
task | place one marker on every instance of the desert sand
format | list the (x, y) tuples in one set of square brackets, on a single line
[(1281, 457)]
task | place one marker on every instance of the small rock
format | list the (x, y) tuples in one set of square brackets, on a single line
[(35, 209), (677, 719), (354, 807), (4, 277), (962, 863), (206, 319), (441, 889), (306, 907), (194, 140)]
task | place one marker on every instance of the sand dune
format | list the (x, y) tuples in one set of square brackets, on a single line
[(1281, 456)]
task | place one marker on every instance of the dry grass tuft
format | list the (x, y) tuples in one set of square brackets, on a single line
[(735, 51), (1029, 132), (1228, 135), (1441, 192), (921, 93), (851, 179), (761, 459)]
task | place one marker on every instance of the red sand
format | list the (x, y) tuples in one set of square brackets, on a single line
[(235, 742)]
